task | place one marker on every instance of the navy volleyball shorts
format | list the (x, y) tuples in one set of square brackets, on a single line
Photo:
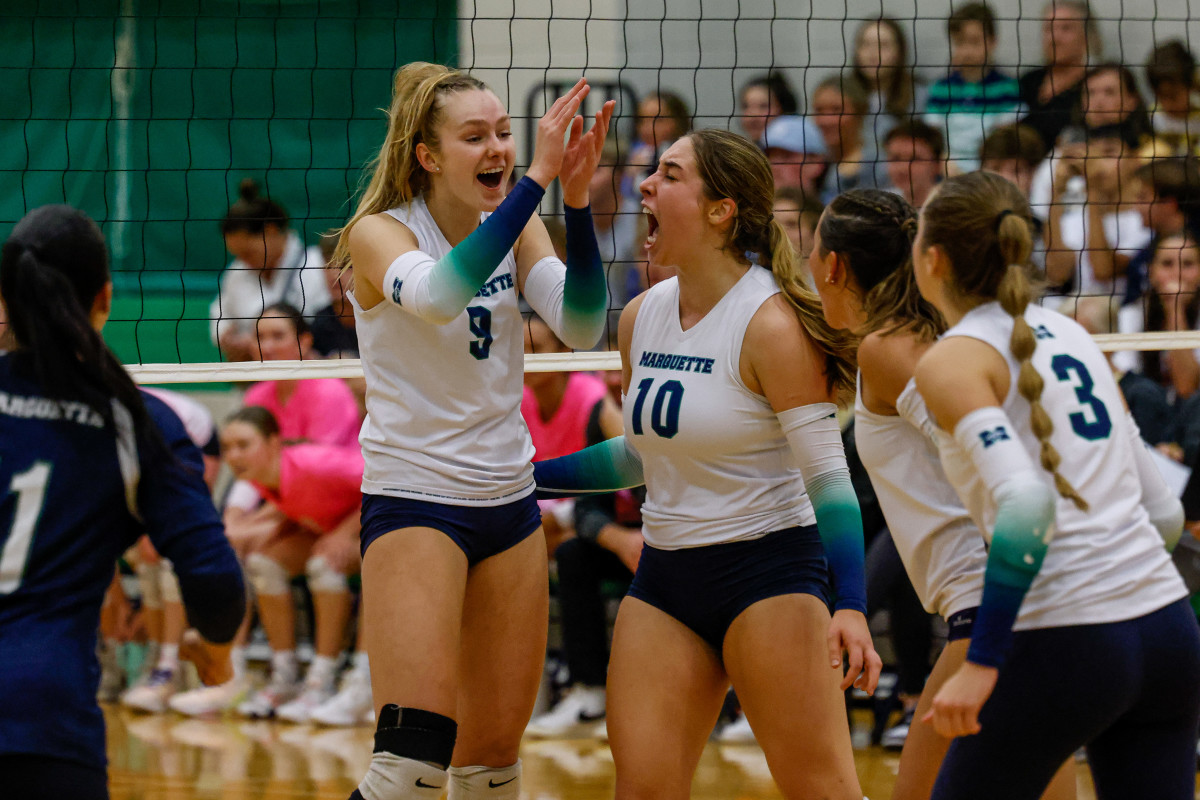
[(707, 587), (479, 531)]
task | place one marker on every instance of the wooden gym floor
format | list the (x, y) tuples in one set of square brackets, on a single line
[(166, 757)]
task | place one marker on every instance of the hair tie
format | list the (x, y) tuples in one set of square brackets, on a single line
[(1000, 218)]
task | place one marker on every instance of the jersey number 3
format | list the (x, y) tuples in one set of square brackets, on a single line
[(1072, 370), (30, 488), (664, 413)]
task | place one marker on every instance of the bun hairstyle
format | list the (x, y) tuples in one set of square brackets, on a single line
[(731, 166), (982, 223), (418, 93), (252, 212), (52, 268), (873, 231)]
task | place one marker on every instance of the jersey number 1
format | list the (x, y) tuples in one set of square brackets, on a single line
[(30, 488), (664, 415)]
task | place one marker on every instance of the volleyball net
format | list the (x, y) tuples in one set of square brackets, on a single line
[(148, 115)]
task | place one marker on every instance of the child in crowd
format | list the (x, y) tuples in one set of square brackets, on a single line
[(915, 154), (1175, 116), (975, 97), (1165, 192)]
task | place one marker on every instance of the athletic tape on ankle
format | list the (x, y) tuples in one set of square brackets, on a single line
[(416, 734)]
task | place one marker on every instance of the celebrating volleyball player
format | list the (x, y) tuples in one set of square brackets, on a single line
[(731, 375), (454, 580), (861, 268), (89, 464), (1032, 433)]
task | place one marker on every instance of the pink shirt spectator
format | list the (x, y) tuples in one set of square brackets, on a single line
[(320, 410), (566, 431), (319, 484)]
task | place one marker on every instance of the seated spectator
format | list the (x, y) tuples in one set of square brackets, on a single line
[(797, 153), (1172, 303), (882, 71), (799, 216), (1147, 400), (333, 331), (616, 220), (839, 109), (762, 100), (271, 265), (317, 489), (975, 97), (662, 117), (556, 407), (915, 160), (1175, 114), (317, 410), (1166, 192), (1013, 152), (1110, 107), (1051, 93), (1089, 244)]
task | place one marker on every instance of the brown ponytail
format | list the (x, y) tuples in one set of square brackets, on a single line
[(982, 222)]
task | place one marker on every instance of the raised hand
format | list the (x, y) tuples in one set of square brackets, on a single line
[(552, 134), (582, 156)]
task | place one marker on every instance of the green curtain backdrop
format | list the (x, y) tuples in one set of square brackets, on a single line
[(148, 114)]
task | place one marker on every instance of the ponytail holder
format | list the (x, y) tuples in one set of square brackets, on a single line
[(1000, 218)]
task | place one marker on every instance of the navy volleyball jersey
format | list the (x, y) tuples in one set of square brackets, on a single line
[(70, 504)]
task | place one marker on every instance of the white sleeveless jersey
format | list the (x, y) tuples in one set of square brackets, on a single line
[(717, 464), (942, 549), (1106, 564), (444, 401)]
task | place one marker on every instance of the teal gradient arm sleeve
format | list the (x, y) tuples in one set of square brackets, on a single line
[(1020, 539), (1024, 501), (572, 298), (839, 523), (609, 466), (439, 291), (815, 440)]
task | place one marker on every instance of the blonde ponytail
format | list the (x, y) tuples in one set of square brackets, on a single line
[(1014, 295), (413, 116)]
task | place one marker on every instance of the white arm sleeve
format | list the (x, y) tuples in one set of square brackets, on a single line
[(544, 290), (816, 440), (408, 284), (1164, 508)]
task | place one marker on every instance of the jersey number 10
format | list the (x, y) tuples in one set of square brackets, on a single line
[(664, 413), (30, 488)]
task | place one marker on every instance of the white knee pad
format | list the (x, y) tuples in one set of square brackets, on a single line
[(499, 783), (393, 777), (267, 576), (169, 583), (150, 585), (324, 578)]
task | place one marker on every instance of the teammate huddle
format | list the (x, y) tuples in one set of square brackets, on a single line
[(731, 373)]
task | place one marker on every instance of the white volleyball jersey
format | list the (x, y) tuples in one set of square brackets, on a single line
[(1105, 564), (444, 401), (942, 549), (717, 464)]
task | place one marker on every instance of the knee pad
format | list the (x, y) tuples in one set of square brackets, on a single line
[(150, 585), (324, 578), (169, 584), (267, 576), (494, 783), (415, 734)]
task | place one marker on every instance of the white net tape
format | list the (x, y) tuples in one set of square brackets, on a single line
[(544, 362)]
